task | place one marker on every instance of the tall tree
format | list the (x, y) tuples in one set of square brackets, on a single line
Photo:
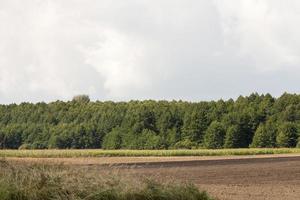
[(287, 135), (214, 136)]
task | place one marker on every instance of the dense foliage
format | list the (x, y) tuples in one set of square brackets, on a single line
[(255, 121)]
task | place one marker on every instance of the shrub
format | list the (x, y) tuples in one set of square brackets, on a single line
[(185, 144), (40, 182), (25, 146)]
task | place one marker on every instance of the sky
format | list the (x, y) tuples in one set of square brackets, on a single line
[(147, 49)]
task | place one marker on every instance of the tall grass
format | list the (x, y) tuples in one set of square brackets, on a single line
[(126, 153), (42, 182)]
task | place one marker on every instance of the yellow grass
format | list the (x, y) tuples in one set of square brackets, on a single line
[(53, 153)]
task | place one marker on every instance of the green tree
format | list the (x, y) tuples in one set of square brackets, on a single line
[(113, 140), (265, 135), (287, 135), (214, 136), (232, 138), (148, 140), (82, 123), (81, 98), (195, 124)]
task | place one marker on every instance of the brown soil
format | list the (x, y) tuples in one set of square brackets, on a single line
[(138, 160), (257, 179), (270, 177)]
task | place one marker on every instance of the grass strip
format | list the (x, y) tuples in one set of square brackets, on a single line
[(66, 153)]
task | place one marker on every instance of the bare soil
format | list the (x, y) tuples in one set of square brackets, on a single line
[(269, 177), (257, 179)]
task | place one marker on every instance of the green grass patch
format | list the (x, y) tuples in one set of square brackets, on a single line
[(127, 153)]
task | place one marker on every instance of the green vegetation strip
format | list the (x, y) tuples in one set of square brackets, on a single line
[(145, 153), (256, 121)]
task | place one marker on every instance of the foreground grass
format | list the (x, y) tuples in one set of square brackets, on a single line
[(127, 153), (42, 182)]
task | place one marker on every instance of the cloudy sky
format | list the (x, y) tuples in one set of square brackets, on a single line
[(147, 49)]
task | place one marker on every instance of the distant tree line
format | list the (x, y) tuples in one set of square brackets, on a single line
[(253, 121)]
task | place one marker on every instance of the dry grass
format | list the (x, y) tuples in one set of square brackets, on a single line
[(52, 153), (111, 161), (56, 182)]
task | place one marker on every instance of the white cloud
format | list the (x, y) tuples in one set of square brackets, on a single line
[(141, 49), (265, 31), (119, 59), (40, 60)]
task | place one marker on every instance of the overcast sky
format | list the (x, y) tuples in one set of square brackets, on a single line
[(147, 49)]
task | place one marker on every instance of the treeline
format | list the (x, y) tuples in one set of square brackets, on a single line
[(253, 121)]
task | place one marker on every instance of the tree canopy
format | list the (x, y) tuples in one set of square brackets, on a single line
[(251, 121)]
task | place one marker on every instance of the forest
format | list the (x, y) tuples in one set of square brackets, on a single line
[(251, 121)]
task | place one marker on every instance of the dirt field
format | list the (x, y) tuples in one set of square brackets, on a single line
[(267, 177), (257, 179)]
